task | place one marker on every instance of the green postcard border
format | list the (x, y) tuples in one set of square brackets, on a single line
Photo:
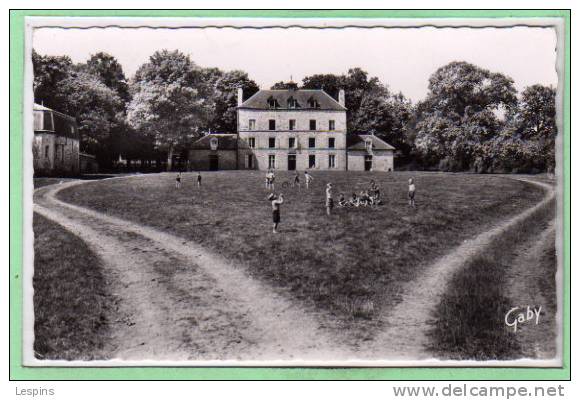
[(18, 372)]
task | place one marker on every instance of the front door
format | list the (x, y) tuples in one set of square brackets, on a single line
[(368, 163), (291, 162), (213, 162)]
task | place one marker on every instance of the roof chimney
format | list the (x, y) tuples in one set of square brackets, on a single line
[(341, 98), (240, 96)]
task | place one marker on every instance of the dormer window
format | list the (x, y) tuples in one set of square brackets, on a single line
[(293, 103), (273, 103), (313, 103), (213, 143), (369, 144)]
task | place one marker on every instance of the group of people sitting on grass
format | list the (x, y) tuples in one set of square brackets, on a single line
[(369, 197)]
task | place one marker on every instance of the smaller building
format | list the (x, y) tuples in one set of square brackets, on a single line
[(369, 153), (214, 151), (56, 143)]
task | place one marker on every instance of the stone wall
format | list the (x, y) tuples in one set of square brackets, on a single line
[(282, 118), (55, 155), (199, 160), (261, 159), (382, 160), (301, 135)]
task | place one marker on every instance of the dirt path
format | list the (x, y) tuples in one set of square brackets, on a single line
[(407, 324), (525, 277), (178, 301)]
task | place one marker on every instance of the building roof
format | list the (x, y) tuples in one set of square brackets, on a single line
[(40, 107), (358, 142), (225, 141), (305, 98)]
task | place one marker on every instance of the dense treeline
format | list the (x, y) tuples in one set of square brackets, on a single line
[(471, 120)]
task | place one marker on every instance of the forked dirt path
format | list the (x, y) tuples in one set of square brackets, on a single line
[(181, 302), (404, 337), (178, 301)]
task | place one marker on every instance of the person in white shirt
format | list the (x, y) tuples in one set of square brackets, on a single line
[(308, 178), (329, 200), (411, 193)]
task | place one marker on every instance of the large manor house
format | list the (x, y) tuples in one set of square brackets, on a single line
[(294, 129)]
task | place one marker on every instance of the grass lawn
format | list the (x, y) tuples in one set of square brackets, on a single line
[(70, 301), (470, 318), (352, 264)]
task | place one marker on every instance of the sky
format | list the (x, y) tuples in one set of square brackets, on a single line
[(403, 59)]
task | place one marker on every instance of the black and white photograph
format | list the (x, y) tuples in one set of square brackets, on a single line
[(293, 192)]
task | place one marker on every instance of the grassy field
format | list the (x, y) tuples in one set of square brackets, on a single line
[(352, 264), (70, 302), (470, 318)]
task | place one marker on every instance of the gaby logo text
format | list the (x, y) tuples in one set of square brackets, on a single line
[(518, 315)]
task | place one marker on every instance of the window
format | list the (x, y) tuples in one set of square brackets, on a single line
[(271, 142), (331, 125), (46, 148), (311, 161), (273, 103), (313, 103), (331, 143), (292, 103), (252, 124), (38, 123), (291, 143), (271, 161), (331, 161), (312, 124), (311, 142), (272, 124), (292, 124), (213, 143), (368, 144), (252, 142)]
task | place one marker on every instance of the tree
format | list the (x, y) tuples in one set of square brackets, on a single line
[(110, 72), (225, 98), (537, 113), (94, 106), (171, 101), (465, 107), (48, 72), (284, 86), (330, 83)]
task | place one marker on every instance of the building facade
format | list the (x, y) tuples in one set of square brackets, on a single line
[(294, 129), (56, 143), (215, 151)]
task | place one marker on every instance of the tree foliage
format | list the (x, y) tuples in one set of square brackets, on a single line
[(225, 99), (465, 107), (471, 119), (171, 101), (110, 72)]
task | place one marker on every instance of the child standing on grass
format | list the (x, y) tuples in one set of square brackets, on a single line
[(276, 201), (329, 201), (411, 193), (308, 178), (178, 180), (296, 181), (198, 179)]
